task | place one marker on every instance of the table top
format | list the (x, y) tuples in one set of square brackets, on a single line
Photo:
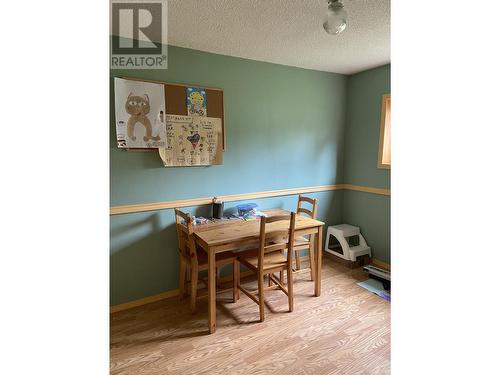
[(222, 232)]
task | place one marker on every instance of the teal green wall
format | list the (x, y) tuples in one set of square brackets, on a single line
[(371, 212), (284, 129)]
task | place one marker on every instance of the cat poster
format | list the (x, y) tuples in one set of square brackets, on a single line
[(196, 101), (139, 112)]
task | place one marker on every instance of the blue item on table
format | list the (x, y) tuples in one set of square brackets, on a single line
[(246, 209)]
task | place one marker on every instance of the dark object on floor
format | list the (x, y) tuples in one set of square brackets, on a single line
[(376, 287), (379, 274)]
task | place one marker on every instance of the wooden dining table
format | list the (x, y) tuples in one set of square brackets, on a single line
[(228, 235)]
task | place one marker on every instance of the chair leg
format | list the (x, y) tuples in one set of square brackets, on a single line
[(297, 259), (312, 264), (289, 279), (261, 297), (194, 287), (182, 278), (236, 280), (269, 283), (281, 277)]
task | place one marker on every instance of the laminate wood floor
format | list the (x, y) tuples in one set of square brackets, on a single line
[(344, 331)]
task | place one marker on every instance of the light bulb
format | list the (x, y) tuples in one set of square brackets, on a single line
[(336, 18)]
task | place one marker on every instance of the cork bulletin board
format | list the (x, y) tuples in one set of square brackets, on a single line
[(175, 99)]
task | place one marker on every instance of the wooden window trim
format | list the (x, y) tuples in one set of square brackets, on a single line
[(386, 99)]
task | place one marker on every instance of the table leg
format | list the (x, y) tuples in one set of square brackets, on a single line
[(312, 257), (318, 255), (211, 291)]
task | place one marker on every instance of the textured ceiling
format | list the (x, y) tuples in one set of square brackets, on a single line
[(288, 32)]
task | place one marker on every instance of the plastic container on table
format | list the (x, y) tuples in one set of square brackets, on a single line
[(246, 209)]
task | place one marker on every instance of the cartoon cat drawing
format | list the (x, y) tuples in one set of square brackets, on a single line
[(138, 108)]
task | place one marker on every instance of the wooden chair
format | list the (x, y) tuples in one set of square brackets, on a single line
[(268, 259), (193, 260), (304, 242)]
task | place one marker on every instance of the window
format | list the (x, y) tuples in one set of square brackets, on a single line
[(384, 146)]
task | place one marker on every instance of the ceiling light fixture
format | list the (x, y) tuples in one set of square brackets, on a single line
[(336, 18)]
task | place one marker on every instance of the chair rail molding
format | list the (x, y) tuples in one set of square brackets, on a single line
[(154, 206)]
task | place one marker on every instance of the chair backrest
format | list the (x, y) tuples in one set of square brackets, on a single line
[(268, 236), (310, 212), (184, 226)]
